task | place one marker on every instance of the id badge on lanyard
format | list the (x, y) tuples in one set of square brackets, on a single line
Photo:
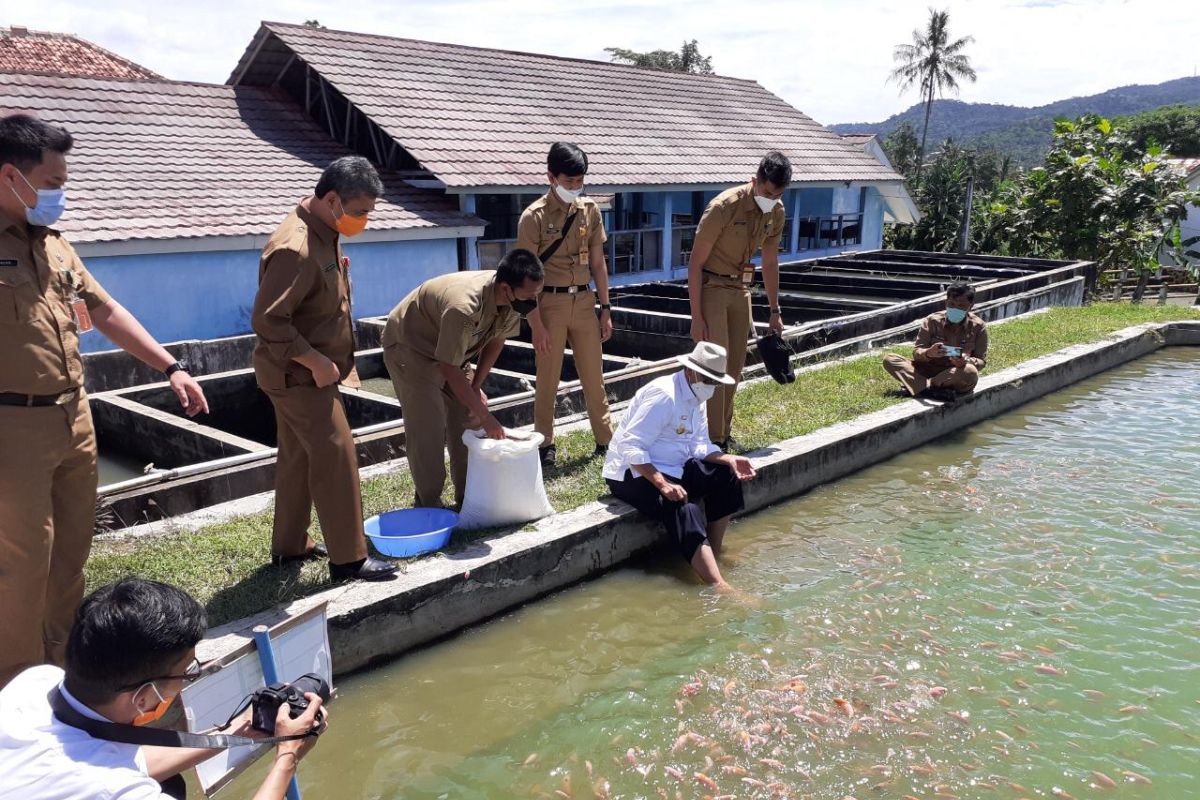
[(747, 274), (79, 309), (584, 255)]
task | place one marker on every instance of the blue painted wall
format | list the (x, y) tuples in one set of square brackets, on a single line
[(209, 295)]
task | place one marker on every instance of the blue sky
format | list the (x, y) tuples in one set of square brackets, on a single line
[(830, 58)]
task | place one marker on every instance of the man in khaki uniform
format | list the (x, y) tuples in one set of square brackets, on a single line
[(429, 341), (305, 349), (567, 233), (735, 225), (47, 443), (950, 351)]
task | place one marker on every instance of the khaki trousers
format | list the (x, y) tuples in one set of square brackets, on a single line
[(434, 421), (317, 465), (727, 313), (571, 318), (917, 379), (47, 518)]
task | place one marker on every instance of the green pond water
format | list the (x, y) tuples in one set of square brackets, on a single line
[(383, 386), (1011, 611), (115, 467)]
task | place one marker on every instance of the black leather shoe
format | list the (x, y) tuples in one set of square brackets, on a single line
[(547, 455), (601, 450), (318, 551), (940, 395), (369, 569)]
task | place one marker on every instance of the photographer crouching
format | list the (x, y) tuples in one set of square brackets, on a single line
[(131, 650)]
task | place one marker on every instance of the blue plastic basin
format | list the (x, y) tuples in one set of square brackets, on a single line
[(411, 531)]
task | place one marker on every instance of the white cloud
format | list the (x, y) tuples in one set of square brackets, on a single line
[(830, 58)]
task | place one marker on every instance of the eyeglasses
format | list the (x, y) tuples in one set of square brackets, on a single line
[(707, 381), (193, 673)]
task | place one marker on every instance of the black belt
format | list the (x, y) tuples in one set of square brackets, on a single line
[(18, 399), (582, 287)]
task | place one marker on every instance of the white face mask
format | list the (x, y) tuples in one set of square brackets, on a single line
[(765, 204), (703, 391), (567, 195)]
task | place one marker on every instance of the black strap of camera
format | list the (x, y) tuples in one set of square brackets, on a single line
[(157, 737), (553, 248)]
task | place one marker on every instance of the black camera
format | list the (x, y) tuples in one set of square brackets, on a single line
[(265, 702)]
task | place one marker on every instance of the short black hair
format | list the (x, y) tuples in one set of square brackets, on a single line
[(567, 159), (129, 631), (351, 177), (776, 169), (519, 266), (961, 289), (24, 139)]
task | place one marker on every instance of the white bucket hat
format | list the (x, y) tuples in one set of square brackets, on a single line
[(709, 360)]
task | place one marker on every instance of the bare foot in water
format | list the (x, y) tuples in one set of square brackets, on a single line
[(738, 595)]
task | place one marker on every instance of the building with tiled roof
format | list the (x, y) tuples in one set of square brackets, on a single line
[(174, 188), (477, 123), (159, 161), (899, 207), (45, 53)]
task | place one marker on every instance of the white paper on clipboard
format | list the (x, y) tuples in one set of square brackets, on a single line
[(301, 645)]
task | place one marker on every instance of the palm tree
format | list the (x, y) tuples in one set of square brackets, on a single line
[(933, 62)]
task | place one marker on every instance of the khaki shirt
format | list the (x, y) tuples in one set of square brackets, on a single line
[(303, 303), (541, 226), (970, 334), (736, 229), (40, 274), (451, 318)]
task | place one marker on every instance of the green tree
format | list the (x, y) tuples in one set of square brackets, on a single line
[(934, 63), (903, 149), (1175, 128), (688, 59), (1098, 197), (941, 196)]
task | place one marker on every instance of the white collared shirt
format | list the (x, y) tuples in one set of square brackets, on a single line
[(44, 759), (665, 426)]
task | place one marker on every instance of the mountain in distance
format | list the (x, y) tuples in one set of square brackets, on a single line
[(1025, 133)]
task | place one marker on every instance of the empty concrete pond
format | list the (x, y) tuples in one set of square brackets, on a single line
[(1013, 607)]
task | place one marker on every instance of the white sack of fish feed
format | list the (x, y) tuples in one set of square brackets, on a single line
[(504, 481)]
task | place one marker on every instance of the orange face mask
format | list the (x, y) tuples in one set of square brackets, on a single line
[(347, 225), (156, 713)]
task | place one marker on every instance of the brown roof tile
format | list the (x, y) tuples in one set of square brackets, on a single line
[(478, 117), (41, 52), (161, 159)]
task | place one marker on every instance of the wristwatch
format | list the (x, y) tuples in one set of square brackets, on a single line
[(606, 306), (778, 311), (178, 366)]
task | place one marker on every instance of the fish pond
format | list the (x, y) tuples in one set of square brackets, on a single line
[(1011, 611)]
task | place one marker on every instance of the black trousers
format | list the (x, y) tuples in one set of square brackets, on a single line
[(687, 523)]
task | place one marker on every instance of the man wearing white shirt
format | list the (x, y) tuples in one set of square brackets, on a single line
[(662, 462), (130, 651)]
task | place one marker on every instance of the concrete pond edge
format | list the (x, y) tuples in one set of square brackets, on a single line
[(436, 597)]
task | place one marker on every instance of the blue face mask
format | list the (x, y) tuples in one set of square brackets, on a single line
[(49, 207), (955, 315)]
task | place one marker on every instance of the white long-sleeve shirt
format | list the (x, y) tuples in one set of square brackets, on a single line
[(44, 759), (665, 426)]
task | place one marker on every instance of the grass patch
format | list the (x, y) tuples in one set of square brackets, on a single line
[(226, 566)]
